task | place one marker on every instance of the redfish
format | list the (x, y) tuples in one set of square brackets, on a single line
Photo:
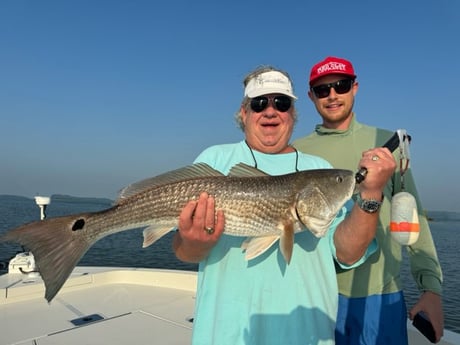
[(258, 206)]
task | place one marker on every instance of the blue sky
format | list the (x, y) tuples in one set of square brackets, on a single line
[(97, 94)]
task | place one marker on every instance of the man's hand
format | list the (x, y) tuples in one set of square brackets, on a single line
[(431, 304), (200, 227)]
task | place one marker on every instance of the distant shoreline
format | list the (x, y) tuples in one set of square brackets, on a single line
[(62, 198)]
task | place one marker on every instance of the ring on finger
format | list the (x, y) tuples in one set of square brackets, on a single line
[(209, 230)]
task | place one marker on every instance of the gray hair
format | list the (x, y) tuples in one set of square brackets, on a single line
[(245, 103)]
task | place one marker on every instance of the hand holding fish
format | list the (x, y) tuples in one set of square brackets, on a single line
[(200, 227)]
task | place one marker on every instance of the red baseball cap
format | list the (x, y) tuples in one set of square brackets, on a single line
[(331, 65)]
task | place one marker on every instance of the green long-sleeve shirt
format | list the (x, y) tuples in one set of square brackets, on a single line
[(381, 272)]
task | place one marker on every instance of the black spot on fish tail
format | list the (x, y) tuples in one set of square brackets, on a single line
[(78, 225), (56, 247)]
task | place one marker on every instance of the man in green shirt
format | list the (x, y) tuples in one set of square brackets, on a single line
[(371, 302)]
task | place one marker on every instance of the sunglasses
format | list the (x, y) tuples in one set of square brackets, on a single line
[(280, 103), (340, 87)]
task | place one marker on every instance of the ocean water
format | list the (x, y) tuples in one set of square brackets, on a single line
[(125, 249), (445, 229)]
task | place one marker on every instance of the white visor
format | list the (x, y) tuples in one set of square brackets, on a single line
[(267, 83)]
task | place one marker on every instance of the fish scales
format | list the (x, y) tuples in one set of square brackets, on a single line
[(255, 205), (249, 206)]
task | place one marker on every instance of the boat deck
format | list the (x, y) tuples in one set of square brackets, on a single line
[(101, 306), (106, 305)]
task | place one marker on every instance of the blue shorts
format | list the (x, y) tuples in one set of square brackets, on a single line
[(372, 320)]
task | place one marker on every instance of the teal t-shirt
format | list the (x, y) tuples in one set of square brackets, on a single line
[(264, 300)]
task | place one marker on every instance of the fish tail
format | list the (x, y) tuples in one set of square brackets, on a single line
[(57, 245)]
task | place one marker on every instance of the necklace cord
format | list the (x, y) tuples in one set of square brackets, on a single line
[(255, 161)]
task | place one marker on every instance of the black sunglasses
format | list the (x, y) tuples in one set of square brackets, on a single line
[(341, 87), (280, 103)]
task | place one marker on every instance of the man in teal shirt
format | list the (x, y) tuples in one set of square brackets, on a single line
[(371, 302)]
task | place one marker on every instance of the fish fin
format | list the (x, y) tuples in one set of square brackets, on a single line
[(287, 242), (188, 172), (256, 246), (245, 243), (57, 245), (153, 234), (244, 170)]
